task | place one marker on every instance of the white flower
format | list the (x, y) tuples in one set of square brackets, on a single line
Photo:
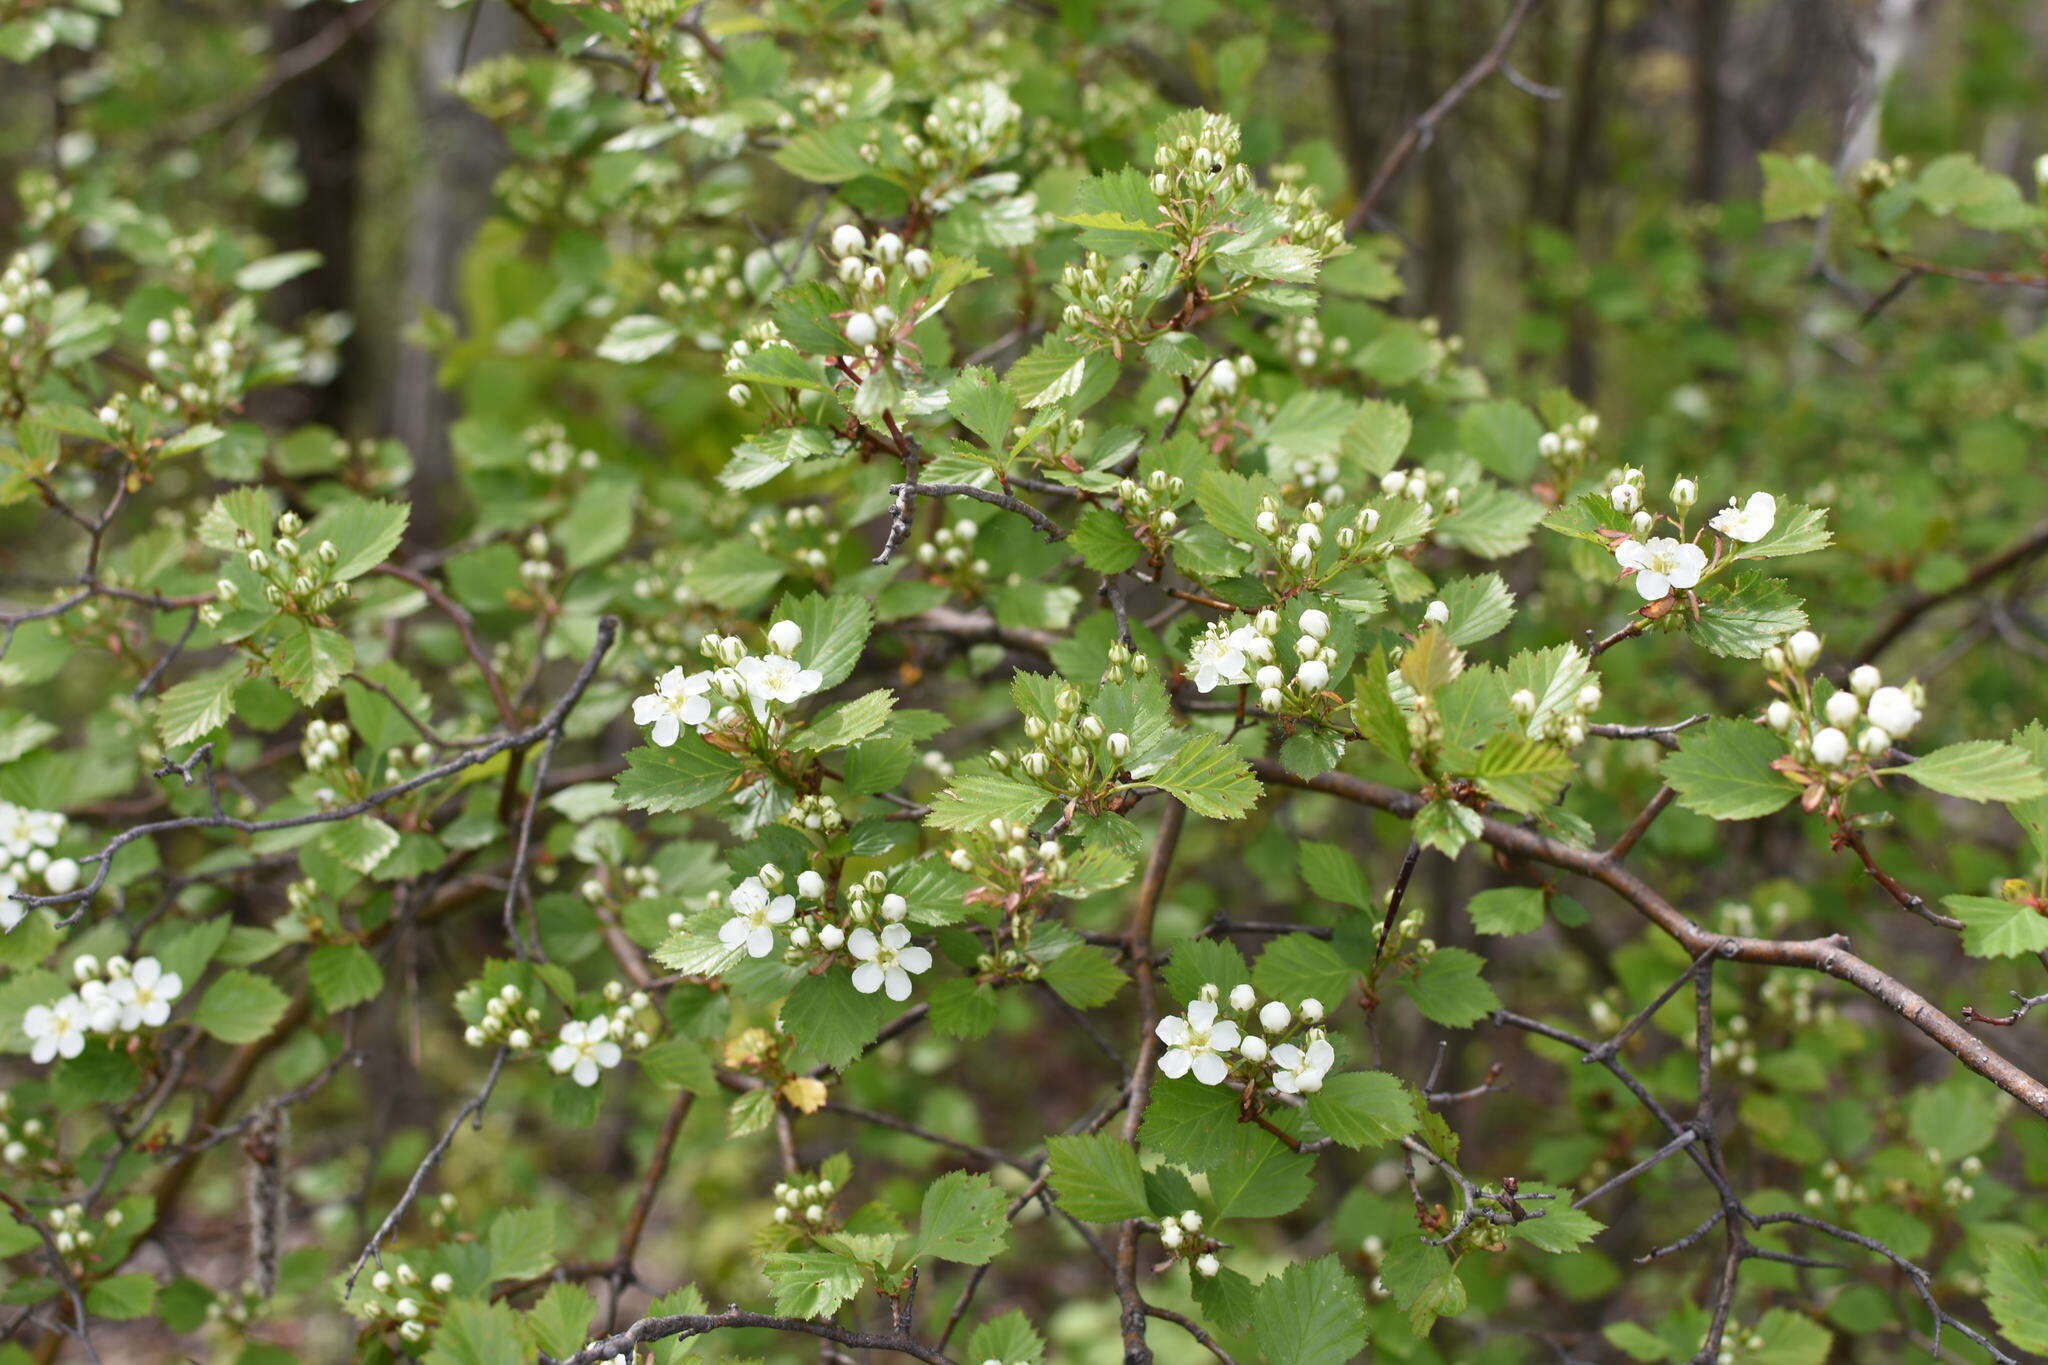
[(785, 636), (1313, 674), (754, 915), (1311, 1009), (1436, 613), (1802, 648), (861, 329), (1684, 493), (1778, 715), (1315, 623), (848, 240), (1275, 1016), (1215, 660), (585, 1048), (1300, 1072), (1893, 712), (1842, 709), (55, 1030), (1252, 1047), (100, 1006), (22, 829), (1661, 565), (1194, 1043), (678, 699), (1874, 743), (61, 875), (1251, 642), (1206, 1265), (777, 678), (1830, 747), (810, 885), (1751, 521), (1243, 997), (887, 961), (1865, 680), (145, 994)]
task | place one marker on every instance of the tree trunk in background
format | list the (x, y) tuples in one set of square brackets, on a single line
[(450, 197), (323, 113), (1709, 51), (1580, 370)]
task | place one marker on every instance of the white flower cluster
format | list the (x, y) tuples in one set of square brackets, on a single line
[(24, 300), (1182, 1235), (1152, 503), (1820, 730), (73, 1236), (766, 682), (1297, 543), (950, 549), (406, 1299), (583, 1048), (869, 930), (1202, 162), (1564, 725), (1244, 655), (324, 745), (1662, 565), (1199, 1041), (551, 454), (128, 998), (788, 538), (15, 1138), (1067, 751), (868, 271), (969, 127), (294, 576), (26, 864), (806, 1205), (1567, 445)]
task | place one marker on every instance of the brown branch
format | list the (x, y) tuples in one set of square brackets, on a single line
[(1423, 131), (1913, 608), (1138, 945), (1830, 955)]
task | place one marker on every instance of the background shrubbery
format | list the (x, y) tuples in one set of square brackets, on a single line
[(632, 678)]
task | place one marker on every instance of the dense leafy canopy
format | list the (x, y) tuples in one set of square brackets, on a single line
[(951, 722)]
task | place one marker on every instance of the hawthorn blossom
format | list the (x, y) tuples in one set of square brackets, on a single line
[(678, 699), (887, 961), (144, 996), (55, 1030), (1196, 1043), (584, 1049), (777, 678), (100, 1007), (754, 916), (1749, 522), (1893, 712), (1217, 658), (1300, 1072), (23, 830), (1661, 565)]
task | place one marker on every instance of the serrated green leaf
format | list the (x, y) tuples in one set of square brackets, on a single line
[(1997, 928), (1097, 1178), (1209, 778), (1723, 770), (1363, 1108), (240, 1007), (960, 1220), (1448, 989), (1310, 1314), (1978, 770)]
